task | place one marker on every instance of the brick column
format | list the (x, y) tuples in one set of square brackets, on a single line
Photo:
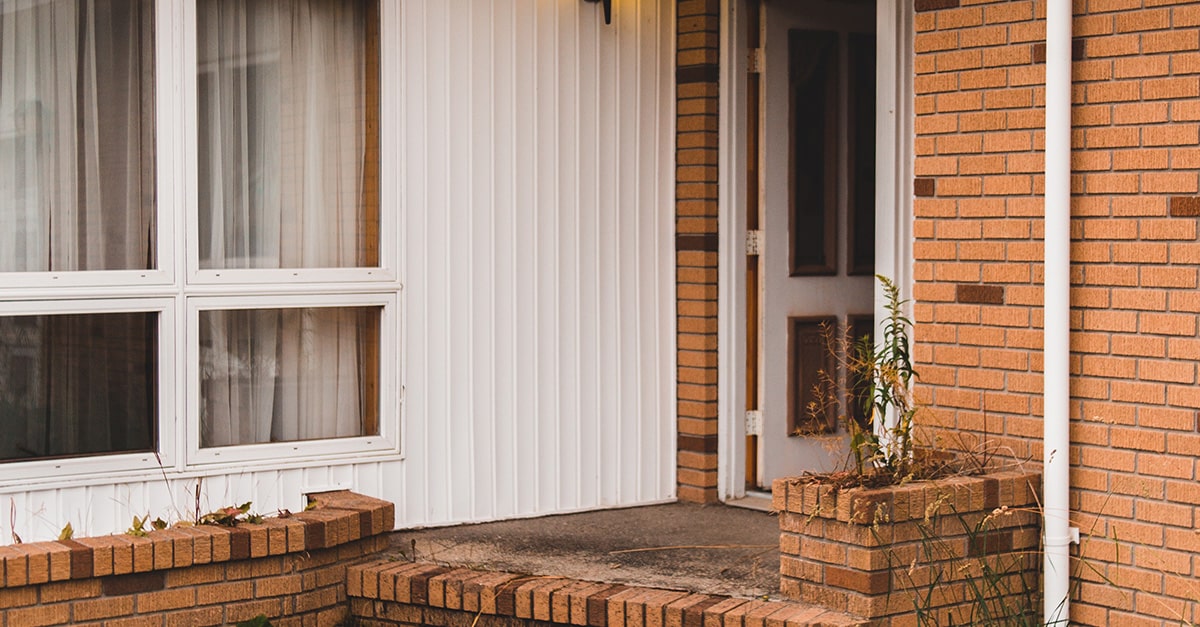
[(697, 66)]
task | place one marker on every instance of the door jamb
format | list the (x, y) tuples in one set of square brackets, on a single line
[(893, 207), (731, 265)]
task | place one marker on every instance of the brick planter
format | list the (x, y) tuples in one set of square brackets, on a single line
[(880, 553), (292, 570)]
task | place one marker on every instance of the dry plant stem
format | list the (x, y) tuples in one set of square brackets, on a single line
[(885, 374)]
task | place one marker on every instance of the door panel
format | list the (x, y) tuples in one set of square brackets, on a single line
[(817, 218)]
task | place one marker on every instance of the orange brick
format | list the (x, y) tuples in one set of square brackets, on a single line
[(959, 101), (1115, 183), (1178, 515), (218, 593), (1171, 88), (18, 597), (277, 586), (1137, 392), (166, 600), (1168, 277), (246, 610), (38, 562), (935, 83), (933, 42), (1170, 183), (985, 36), (960, 186), (1113, 46), (1142, 66), (98, 609), (1140, 159), (72, 590), (200, 616), (51, 614), (1170, 41)]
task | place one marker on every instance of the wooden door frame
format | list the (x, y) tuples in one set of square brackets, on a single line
[(893, 208)]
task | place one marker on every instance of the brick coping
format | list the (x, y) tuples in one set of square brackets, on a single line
[(912, 501), (337, 518), (569, 601)]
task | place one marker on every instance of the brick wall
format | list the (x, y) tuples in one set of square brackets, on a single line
[(696, 247), (882, 553), (292, 570), (390, 594), (979, 75)]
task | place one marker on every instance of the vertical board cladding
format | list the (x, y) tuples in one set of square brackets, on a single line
[(697, 45), (536, 171), (979, 75), (536, 177)]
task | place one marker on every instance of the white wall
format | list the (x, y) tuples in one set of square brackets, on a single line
[(539, 289), (537, 190)]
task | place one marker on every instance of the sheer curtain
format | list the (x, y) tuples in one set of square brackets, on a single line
[(76, 194), (286, 181), (283, 133), (76, 135), (280, 375)]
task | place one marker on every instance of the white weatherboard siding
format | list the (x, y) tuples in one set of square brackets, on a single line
[(539, 287), (536, 183)]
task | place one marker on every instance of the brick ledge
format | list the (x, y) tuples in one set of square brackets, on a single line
[(912, 501), (402, 592), (338, 518)]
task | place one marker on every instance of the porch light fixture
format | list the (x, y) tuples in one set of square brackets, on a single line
[(607, 9)]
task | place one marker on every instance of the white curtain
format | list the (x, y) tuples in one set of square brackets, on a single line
[(283, 121), (76, 194), (279, 375), (285, 177), (76, 135)]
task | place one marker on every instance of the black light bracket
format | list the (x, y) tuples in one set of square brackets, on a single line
[(607, 10)]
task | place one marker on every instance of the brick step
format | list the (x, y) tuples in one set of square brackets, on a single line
[(417, 593)]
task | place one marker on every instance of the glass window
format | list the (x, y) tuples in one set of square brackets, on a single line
[(288, 146), (77, 384), (282, 375), (76, 135), (276, 166)]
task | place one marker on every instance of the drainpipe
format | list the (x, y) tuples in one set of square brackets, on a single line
[(1056, 346)]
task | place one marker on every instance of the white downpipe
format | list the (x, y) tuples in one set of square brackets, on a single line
[(1057, 330)]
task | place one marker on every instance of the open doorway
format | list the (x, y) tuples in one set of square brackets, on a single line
[(821, 144)]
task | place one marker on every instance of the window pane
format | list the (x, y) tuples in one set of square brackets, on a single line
[(76, 135), (280, 375), (814, 129), (861, 129), (288, 133), (77, 384)]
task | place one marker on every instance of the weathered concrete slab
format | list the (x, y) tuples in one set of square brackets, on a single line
[(712, 549)]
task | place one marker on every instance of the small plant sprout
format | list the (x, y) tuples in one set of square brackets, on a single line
[(138, 527), (886, 440), (227, 516), (880, 375)]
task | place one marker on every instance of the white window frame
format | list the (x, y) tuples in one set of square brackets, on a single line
[(126, 282), (22, 471), (177, 289), (293, 287), (386, 443), (389, 28)]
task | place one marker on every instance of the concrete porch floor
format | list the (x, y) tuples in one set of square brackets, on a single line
[(711, 549)]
